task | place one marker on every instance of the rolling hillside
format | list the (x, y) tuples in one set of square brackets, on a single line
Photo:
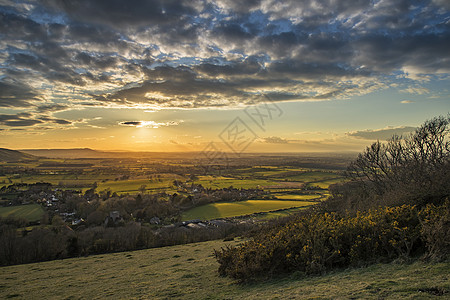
[(8, 155), (66, 153), (190, 272)]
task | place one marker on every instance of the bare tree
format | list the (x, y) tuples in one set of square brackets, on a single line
[(418, 161)]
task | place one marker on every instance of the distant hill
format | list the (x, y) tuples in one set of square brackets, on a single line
[(8, 155), (76, 153), (321, 160), (67, 153)]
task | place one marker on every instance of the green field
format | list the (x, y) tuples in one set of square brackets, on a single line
[(190, 272), (234, 209), (225, 182), (297, 197), (55, 179), (133, 185), (312, 176), (30, 212), (326, 183), (280, 213)]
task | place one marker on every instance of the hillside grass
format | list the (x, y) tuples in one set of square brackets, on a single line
[(190, 272), (233, 209), (30, 212)]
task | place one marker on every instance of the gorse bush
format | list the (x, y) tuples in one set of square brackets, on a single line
[(318, 242), (435, 221)]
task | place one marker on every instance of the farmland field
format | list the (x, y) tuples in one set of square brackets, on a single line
[(326, 183), (233, 209), (312, 176), (190, 272), (225, 182), (55, 179), (30, 212), (297, 197), (133, 185)]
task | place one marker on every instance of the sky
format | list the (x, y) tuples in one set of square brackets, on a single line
[(220, 75)]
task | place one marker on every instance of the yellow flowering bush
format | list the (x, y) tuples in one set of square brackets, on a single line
[(435, 221), (317, 242)]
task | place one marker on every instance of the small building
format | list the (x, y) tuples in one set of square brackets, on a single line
[(155, 220)]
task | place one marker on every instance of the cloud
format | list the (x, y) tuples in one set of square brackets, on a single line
[(275, 140), (150, 124), (381, 134), (52, 108), (18, 120), (16, 95), (115, 14), (218, 53), (131, 123), (28, 119), (416, 90), (406, 101)]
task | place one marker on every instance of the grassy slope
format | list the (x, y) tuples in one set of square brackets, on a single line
[(190, 272)]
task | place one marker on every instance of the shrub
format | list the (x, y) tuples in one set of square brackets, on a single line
[(435, 230), (319, 242)]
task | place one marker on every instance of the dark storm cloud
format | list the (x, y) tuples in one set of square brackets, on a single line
[(252, 65), (90, 33), (53, 120), (100, 62), (239, 6), (16, 95), (28, 119), (215, 53), (61, 122), (51, 108), (120, 14), (426, 51), (131, 123), (18, 120), (172, 84), (150, 124), (310, 70), (233, 32), (18, 27)]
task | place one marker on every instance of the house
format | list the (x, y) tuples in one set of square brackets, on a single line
[(155, 220), (77, 221), (113, 218)]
